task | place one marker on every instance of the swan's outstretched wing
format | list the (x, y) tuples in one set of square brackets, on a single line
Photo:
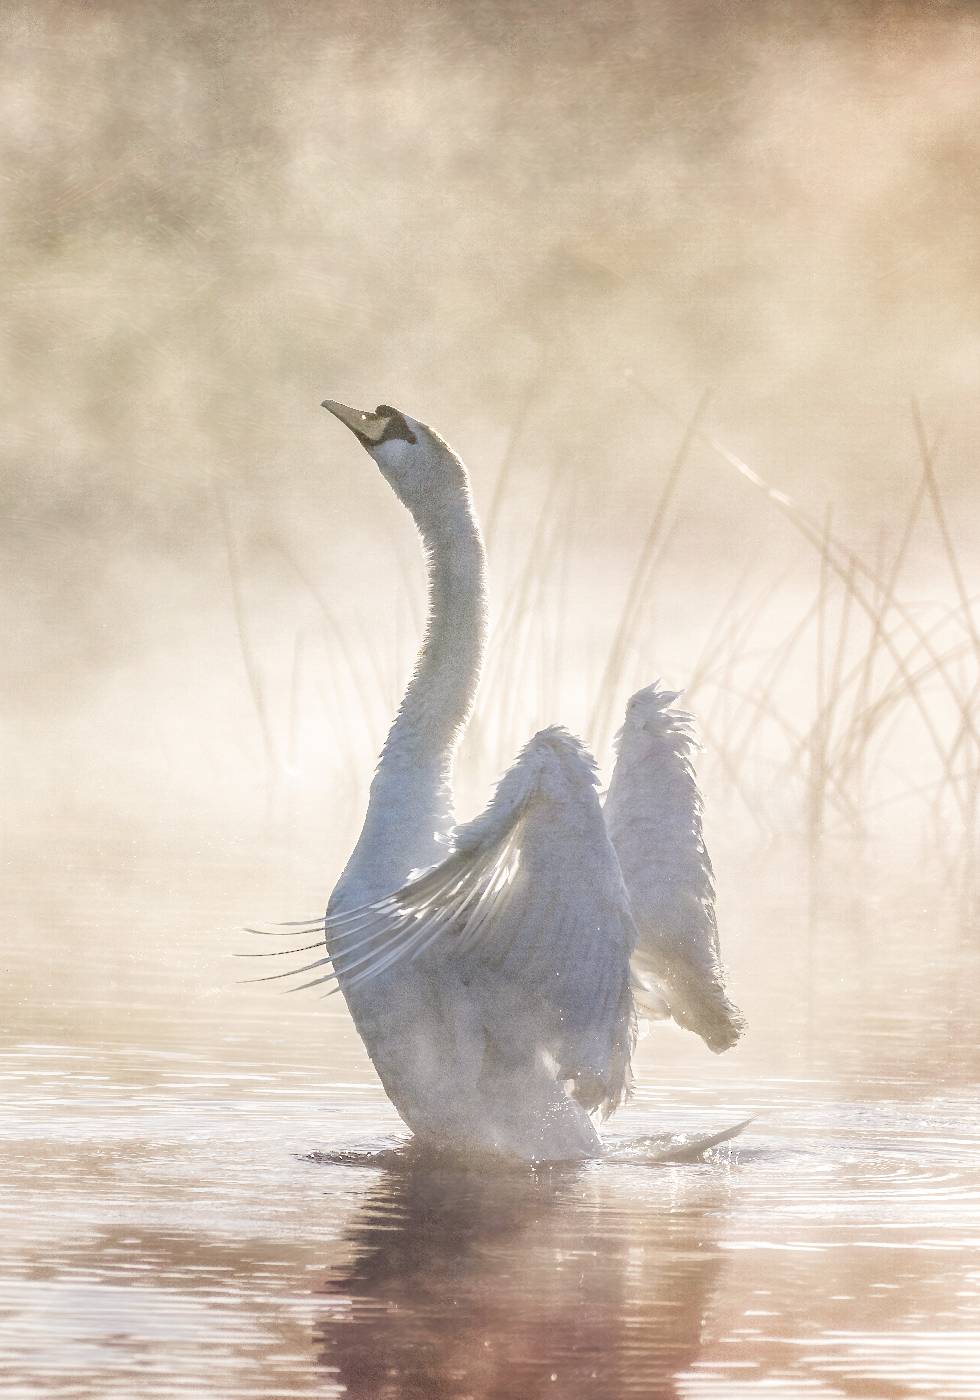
[(531, 911), (653, 814)]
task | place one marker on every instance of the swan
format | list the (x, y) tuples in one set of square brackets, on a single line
[(493, 969)]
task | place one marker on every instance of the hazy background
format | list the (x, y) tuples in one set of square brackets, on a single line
[(557, 232), (548, 231)]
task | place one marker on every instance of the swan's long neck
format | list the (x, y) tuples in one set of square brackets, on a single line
[(410, 804)]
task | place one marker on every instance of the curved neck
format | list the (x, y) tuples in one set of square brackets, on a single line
[(410, 804)]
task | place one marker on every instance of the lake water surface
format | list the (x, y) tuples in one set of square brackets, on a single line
[(193, 1202)]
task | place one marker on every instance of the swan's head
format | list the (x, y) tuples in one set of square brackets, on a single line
[(414, 460)]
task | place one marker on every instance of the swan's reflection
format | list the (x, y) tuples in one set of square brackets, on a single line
[(587, 1282)]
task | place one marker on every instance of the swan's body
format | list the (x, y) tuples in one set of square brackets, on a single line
[(494, 990)]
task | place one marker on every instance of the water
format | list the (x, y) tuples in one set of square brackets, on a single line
[(202, 1192)]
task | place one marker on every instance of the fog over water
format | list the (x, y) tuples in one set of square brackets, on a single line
[(623, 256), (214, 215)]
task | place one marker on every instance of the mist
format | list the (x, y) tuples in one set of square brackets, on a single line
[(548, 234), (552, 235), (693, 290)]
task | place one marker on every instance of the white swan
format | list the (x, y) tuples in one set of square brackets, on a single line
[(487, 966)]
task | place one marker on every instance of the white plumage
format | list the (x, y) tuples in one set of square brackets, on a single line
[(493, 985), (653, 813)]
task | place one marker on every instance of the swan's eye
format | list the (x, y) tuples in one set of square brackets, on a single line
[(395, 427)]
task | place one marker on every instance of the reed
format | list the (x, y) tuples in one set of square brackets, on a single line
[(808, 721), (643, 571), (249, 655)]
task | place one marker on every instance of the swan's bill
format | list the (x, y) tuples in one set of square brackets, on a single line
[(371, 428)]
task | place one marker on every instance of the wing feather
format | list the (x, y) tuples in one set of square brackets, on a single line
[(653, 813), (531, 909)]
